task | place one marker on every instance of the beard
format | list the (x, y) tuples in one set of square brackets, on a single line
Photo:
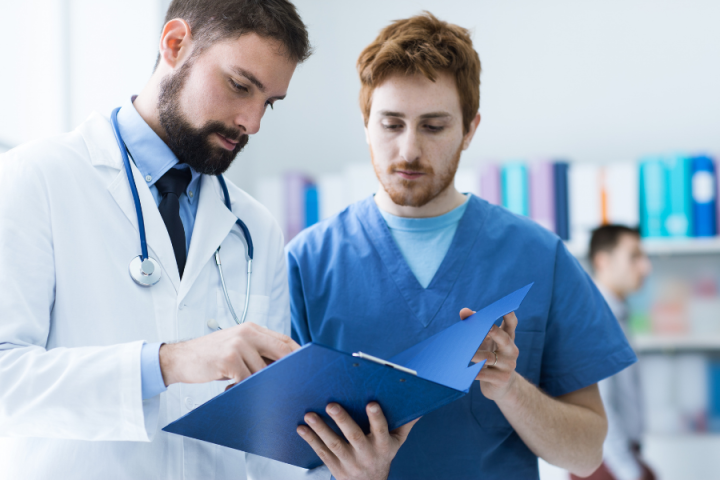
[(191, 145), (416, 193)]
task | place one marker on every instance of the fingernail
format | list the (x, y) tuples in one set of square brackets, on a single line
[(374, 408), (311, 418), (334, 409)]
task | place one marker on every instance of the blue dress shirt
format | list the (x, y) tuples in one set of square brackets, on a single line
[(153, 158)]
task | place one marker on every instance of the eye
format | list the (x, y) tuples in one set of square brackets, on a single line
[(392, 126), (434, 128), (237, 86)]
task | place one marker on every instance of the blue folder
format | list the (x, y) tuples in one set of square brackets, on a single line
[(260, 415)]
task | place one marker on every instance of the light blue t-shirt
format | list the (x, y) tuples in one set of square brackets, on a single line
[(424, 241)]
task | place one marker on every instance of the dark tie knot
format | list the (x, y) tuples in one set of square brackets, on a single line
[(174, 181)]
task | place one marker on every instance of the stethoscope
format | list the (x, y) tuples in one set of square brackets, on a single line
[(145, 271)]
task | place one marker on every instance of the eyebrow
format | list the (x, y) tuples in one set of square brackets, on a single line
[(388, 113), (254, 80)]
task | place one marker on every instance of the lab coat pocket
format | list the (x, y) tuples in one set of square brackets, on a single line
[(486, 411), (257, 309)]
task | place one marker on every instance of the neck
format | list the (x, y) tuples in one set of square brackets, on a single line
[(449, 199), (146, 105), (609, 287)]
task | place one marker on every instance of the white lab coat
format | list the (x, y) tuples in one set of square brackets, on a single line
[(72, 321)]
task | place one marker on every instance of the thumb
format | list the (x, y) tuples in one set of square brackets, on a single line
[(465, 313), (403, 431)]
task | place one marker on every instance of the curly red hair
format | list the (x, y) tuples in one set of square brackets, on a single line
[(422, 44)]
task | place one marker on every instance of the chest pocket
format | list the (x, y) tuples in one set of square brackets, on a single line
[(257, 309), (486, 411)]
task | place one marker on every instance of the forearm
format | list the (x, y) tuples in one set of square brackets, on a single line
[(563, 434)]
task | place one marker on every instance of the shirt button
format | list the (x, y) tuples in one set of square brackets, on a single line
[(189, 403), (148, 178), (190, 194)]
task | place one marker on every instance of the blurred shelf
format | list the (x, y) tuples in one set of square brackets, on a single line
[(665, 246), (688, 343)]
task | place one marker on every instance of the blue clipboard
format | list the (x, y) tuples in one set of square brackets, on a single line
[(260, 415)]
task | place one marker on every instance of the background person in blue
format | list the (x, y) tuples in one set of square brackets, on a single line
[(397, 267)]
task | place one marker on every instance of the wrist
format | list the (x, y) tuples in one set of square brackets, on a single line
[(513, 395), (167, 363)]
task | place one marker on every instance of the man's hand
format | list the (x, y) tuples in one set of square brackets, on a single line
[(229, 354), (497, 378), (365, 457)]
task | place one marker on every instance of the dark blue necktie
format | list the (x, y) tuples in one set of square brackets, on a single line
[(171, 186)]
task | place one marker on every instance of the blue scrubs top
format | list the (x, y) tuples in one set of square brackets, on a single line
[(351, 289)]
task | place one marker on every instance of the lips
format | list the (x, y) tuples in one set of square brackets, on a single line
[(227, 143), (409, 174)]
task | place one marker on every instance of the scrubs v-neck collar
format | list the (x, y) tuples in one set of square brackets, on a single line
[(423, 302)]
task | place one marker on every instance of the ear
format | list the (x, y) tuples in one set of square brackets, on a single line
[(175, 42), (471, 131)]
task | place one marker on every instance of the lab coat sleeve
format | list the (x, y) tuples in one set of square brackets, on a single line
[(85, 393), (617, 455), (279, 310)]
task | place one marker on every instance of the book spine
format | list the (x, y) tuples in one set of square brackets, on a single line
[(515, 188), (312, 207), (678, 222), (562, 213), (622, 193), (490, 188), (542, 194), (714, 396), (295, 184), (653, 197), (703, 196)]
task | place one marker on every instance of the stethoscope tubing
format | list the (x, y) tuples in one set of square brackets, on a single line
[(143, 239)]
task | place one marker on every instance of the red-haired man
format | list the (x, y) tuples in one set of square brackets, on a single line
[(397, 267)]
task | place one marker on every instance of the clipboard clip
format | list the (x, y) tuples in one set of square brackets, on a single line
[(384, 362)]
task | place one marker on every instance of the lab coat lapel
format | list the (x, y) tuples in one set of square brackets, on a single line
[(424, 303), (212, 224), (158, 239), (104, 152)]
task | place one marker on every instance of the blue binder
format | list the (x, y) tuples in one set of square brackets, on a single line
[(704, 196), (562, 212), (260, 414)]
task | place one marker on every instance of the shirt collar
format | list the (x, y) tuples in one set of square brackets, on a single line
[(150, 153)]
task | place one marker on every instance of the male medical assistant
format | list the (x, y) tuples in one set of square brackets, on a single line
[(75, 323), (566, 334)]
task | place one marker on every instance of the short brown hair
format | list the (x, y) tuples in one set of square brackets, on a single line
[(606, 237), (214, 20), (422, 44)]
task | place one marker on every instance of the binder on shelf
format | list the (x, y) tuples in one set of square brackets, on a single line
[(490, 188), (678, 222), (514, 179), (585, 207), (703, 197), (653, 198), (312, 207), (295, 209), (714, 394), (542, 194), (621, 186), (260, 414), (562, 212)]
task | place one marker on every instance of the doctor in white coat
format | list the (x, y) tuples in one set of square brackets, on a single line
[(93, 365)]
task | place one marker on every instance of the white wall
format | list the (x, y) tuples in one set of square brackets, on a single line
[(591, 81)]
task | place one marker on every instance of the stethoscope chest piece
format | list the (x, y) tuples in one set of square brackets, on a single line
[(145, 273)]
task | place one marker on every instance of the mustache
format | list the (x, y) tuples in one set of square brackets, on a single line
[(232, 134), (414, 166)]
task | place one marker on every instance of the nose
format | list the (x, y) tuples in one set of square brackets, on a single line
[(249, 119), (410, 149)]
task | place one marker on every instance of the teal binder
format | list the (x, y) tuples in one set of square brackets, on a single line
[(515, 193), (653, 197), (678, 221)]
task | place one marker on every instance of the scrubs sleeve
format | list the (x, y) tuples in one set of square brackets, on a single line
[(584, 342), (298, 312)]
